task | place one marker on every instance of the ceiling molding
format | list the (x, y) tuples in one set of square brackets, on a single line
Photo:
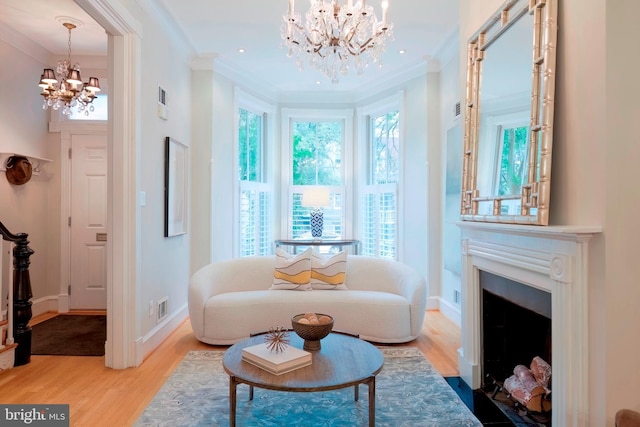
[(392, 81), (171, 29), (449, 48), (24, 44), (247, 80)]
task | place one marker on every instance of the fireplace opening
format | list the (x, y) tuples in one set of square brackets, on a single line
[(516, 328)]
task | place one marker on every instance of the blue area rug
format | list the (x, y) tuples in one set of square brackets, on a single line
[(409, 392)]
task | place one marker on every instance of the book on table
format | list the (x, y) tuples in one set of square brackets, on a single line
[(276, 363)]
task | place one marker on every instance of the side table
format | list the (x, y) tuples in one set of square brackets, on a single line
[(355, 244)]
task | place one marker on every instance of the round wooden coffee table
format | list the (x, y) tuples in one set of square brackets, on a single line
[(343, 361)]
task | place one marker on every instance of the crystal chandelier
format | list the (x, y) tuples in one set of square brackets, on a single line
[(333, 36), (64, 87)]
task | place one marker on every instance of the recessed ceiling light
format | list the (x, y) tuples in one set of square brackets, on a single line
[(402, 51), (317, 82), (241, 50)]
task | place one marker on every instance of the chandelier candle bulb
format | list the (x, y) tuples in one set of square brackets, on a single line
[(42, 84), (385, 9)]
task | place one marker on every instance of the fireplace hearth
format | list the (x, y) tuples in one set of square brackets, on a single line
[(516, 413)]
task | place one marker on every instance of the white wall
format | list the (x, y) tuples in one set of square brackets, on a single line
[(24, 130), (202, 100), (223, 203), (419, 222), (615, 188), (452, 130), (164, 262)]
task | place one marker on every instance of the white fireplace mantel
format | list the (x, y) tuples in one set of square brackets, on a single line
[(553, 259)]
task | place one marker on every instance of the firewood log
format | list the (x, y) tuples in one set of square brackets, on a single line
[(524, 388), (541, 370)]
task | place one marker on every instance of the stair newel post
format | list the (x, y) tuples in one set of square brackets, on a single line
[(22, 299)]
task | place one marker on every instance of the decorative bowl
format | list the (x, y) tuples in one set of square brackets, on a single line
[(312, 332)]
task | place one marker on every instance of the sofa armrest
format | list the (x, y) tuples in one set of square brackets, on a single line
[(231, 275), (385, 275), (201, 288), (414, 288)]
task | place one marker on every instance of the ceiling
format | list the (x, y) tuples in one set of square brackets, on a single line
[(217, 29)]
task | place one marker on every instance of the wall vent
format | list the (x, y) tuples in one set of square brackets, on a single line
[(162, 309), (163, 111), (162, 96), (456, 296), (456, 110)]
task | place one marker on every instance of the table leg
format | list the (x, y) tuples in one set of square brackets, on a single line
[(372, 402), (232, 400)]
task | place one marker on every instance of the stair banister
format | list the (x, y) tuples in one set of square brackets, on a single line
[(21, 294)]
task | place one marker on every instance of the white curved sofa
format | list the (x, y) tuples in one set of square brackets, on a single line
[(384, 302)]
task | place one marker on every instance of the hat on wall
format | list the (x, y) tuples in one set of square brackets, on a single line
[(18, 170)]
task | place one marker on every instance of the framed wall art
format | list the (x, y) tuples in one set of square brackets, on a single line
[(176, 185)]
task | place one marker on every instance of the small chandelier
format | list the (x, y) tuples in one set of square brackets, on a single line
[(334, 36), (64, 87)]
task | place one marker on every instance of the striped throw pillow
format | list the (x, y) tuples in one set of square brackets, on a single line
[(329, 272), (292, 272)]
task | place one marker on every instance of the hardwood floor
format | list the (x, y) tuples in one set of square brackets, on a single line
[(100, 396)]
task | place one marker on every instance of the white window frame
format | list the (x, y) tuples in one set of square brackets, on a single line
[(290, 115), (243, 100), (364, 113)]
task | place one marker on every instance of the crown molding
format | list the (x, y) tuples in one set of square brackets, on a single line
[(170, 27), (393, 81), (246, 80), (449, 48), (24, 44)]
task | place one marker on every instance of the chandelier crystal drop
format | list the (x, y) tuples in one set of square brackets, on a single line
[(64, 89), (335, 38)]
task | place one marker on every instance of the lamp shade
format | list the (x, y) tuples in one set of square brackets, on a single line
[(316, 197), (93, 85), (48, 76), (74, 77)]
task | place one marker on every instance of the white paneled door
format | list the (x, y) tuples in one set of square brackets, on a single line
[(88, 274)]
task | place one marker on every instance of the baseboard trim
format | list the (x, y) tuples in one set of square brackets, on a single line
[(433, 303), (450, 310), (149, 342), (44, 305)]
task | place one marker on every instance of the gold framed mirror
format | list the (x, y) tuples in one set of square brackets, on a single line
[(508, 129)]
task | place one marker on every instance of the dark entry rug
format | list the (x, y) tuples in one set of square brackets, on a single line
[(70, 335)]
